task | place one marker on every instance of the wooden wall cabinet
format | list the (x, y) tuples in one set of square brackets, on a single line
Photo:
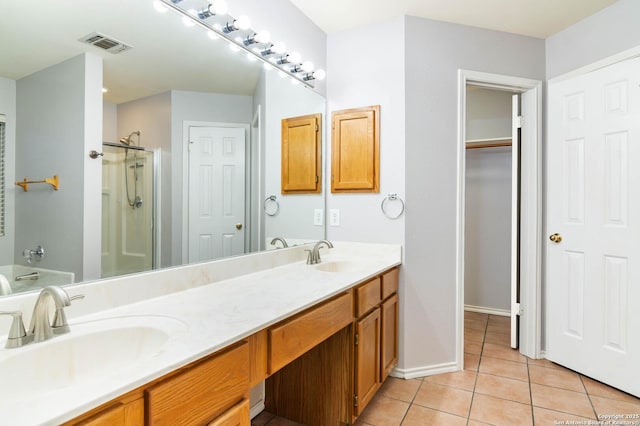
[(301, 170), (355, 150)]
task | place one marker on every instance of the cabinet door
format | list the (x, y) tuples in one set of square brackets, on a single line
[(355, 150), (238, 415), (389, 335), (367, 378), (301, 154)]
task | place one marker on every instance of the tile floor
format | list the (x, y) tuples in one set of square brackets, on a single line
[(498, 387)]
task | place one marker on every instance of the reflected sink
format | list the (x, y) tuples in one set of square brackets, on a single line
[(92, 350), (337, 266)]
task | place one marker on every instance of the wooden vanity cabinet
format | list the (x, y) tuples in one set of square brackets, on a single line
[(124, 411)]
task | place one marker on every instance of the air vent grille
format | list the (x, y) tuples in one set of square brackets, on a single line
[(104, 42)]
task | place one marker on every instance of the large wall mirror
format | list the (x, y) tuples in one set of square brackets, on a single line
[(187, 140)]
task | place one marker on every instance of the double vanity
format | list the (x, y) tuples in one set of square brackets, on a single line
[(186, 345)]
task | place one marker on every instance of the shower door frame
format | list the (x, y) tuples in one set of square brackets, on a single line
[(155, 208)]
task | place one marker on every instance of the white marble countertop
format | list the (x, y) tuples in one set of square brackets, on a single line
[(201, 321)]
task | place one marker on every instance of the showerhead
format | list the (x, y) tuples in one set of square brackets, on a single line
[(127, 140)]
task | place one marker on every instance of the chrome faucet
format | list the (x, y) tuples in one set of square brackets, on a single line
[(282, 240), (28, 255), (41, 328), (314, 254)]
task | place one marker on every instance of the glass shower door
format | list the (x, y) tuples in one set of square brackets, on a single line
[(127, 210)]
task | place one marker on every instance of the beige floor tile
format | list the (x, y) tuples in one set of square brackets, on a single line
[(542, 416), (499, 320), (604, 406), (502, 387), (499, 411), (504, 368), (475, 315), (478, 325), (474, 335), (544, 363), (471, 347), (477, 423), (465, 379), (471, 362), (499, 328), (561, 400), (555, 377), (383, 411), (444, 398), (420, 416), (404, 390), (501, 339), (497, 351), (600, 389)]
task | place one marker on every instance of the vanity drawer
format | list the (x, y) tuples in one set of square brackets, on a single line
[(367, 296), (292, 338), (202, 392), (389, 283)]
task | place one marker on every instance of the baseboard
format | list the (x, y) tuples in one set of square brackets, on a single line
[(257, 409), (429, 370), (490, 311)]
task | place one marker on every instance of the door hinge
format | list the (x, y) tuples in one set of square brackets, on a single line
[(317, 128), (355, 400), (355, 339), (519, 121), (316, 178), (518, 309)]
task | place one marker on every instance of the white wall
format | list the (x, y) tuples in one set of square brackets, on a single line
[(295, 218), (109, 122), (58, 122), (8, 108), (365, 66), (152, 117), (612, 30), (197, 106), (435, 51)]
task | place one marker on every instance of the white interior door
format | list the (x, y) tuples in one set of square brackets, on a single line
[(216, 192), (593, 223)]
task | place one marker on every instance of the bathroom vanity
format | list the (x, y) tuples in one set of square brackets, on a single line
[(323, 337)]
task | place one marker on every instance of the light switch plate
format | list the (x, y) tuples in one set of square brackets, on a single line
[(334, 217), (318, 217)]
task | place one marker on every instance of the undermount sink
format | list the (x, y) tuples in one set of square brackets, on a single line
[(337, 266), (90, 351)]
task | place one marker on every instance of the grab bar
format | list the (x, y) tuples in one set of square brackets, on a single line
[(29, 276)]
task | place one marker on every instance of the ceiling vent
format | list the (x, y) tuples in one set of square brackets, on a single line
[(109, 44)]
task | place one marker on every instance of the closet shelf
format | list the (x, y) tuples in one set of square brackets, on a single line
[(488, 143)]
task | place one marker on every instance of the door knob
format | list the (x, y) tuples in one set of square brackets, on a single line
[(238, 226), (556, 238)]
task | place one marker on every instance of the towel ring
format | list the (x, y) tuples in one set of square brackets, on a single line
[(271, 211), (392, 197)]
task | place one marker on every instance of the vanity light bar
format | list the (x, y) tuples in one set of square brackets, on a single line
[(233, 26)]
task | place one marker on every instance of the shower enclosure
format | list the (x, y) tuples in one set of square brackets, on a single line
[(128, 209)]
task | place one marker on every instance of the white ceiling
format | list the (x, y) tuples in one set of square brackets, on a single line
[(535, 18)]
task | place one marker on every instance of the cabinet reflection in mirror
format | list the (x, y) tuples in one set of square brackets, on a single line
[(189, 135)]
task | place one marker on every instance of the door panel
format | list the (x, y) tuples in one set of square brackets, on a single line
[(594, 135), (216, 192)]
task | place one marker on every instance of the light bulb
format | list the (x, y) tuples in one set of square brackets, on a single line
[(220, 7), (212, 35), (242, 23), (294, 58), (159, 6), (320, 74), (307, 66), (263, 37), (279, 48)]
